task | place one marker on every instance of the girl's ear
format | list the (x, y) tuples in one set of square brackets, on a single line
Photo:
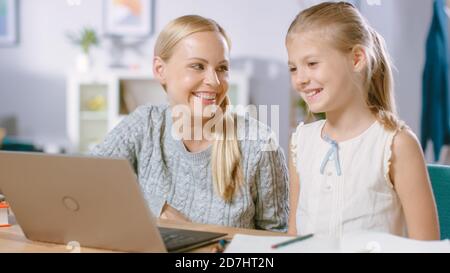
[(359, 58), (159, 67)]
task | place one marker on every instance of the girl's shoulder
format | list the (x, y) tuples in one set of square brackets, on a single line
[(307, 128), (405, 144), (303, 132)]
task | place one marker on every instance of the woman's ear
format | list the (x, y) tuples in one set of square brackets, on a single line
[(159, 67), (359, 58)]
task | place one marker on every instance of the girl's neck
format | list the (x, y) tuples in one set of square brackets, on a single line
[(348, 122)]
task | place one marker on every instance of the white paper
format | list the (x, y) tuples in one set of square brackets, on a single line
[(263, 244), (358, 242), (377, 242)]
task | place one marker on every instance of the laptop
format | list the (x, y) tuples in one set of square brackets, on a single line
[(96, 202)]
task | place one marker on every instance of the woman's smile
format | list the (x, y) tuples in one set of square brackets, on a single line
[(206, 98)]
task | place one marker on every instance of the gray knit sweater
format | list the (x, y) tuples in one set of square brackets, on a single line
[(167, 172)]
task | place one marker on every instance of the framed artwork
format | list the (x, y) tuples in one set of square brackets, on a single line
[(356, 3), (309, 3), (128, 18), (8, 22)]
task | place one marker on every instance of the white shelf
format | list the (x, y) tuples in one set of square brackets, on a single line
[(93, 115)]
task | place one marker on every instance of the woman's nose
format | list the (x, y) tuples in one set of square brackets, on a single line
[(211, 78)]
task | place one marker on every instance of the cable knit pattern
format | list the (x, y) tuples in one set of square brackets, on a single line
[(167, 172)]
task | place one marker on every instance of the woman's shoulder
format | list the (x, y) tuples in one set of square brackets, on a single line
[(147, 115), (256, 134), (140, 120), (253, 129), (148, 111)]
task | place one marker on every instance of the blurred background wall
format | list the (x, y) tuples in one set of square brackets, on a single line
[(33, 72)]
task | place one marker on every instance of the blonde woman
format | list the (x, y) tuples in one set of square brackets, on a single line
[(228, 179), (360, 168)]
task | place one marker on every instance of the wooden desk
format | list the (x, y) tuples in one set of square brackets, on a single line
[(12, 238)]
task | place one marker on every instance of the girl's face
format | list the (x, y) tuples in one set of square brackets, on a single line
[(196, 74), (322, 75)]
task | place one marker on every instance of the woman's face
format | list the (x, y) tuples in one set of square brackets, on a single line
[(196, 74)]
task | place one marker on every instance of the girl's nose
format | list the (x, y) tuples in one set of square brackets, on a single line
[(301, 79)]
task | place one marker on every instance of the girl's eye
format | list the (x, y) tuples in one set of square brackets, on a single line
[(197, 66), (292, 69), (312, 64)]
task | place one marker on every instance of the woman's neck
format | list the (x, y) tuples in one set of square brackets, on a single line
[(195, 146), (348, 122), (193, 134)]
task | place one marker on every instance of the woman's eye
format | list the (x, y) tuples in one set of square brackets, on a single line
[(312, 64), (197, 66), (292, 69)]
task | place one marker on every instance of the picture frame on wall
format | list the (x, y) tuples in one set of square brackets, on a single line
[(355, 3), (8, 22), (128, 18), (309, 3)]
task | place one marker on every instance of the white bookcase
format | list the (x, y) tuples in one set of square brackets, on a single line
[(96, 102)]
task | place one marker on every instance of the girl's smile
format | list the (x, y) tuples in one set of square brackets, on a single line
[(312, 95)]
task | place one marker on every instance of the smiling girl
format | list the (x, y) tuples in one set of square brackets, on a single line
[(360, 168)]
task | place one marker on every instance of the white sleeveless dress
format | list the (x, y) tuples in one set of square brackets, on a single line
[(351, 190)]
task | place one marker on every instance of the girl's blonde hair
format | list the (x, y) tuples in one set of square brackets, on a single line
[(226, 156), (347, 28)]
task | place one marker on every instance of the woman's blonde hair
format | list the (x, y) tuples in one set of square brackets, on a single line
[(347, 28), (226, 156)]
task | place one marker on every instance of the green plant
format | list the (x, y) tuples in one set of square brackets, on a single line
[(86, 38)]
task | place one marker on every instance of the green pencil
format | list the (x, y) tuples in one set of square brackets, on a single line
[(296, 239)]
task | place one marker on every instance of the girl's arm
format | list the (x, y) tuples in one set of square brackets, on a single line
[(409, 175), (294, 191)]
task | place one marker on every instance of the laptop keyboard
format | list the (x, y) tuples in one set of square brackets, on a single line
[(181, 239), (170, 238)]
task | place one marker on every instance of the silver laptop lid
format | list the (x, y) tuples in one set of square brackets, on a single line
[(94, 201)]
